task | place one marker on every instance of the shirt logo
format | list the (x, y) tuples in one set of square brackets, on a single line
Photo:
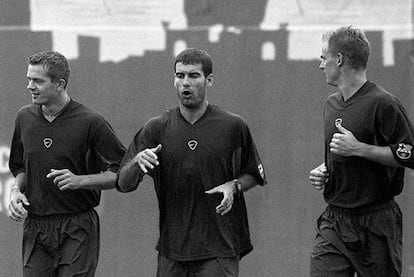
[(261, 170), (47, 142), (404, 151), (192, 144), (338, 122)]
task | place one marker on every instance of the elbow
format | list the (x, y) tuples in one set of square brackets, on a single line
[(109, 186), (123, 187), (128, 179)]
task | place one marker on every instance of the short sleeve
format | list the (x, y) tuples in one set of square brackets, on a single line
[(398, 131), (16, 161), (250, 159), (108, 147)]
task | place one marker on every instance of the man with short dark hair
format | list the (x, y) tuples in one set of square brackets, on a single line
[(195, 153), (62, 155)]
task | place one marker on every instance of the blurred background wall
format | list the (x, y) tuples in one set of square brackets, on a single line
[(266, 57)]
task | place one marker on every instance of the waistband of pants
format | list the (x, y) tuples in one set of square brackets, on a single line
[(363, 210), (58, 216)]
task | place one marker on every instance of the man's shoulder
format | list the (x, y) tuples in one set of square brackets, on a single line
[(27, 108), (381, 92), (75, 106), (27, 111), (162, 118), (86, 113), (226, 115), (380, 96)]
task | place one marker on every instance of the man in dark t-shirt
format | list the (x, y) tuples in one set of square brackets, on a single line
[(368, 143), (62, 156), (195, 153)]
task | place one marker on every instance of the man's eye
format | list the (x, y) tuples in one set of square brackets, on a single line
[(34, 81)]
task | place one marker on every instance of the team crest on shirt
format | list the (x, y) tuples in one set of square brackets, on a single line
[(338, 122), (47, 142), (404, 151), (192, 144)]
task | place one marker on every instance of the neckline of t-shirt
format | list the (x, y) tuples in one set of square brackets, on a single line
[(199, 121)]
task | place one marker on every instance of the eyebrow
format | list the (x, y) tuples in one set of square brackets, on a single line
[(188, 72), (34, 79)]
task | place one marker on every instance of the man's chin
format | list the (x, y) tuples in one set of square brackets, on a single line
[(188, 104), (36, 102)]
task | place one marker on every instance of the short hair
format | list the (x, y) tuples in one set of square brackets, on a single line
[(351, 43), (55, 64), (195, 56)]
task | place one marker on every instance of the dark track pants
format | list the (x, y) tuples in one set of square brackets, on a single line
[(61, 246)]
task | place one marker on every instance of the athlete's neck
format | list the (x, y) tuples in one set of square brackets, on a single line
[(192, 115), (56, 108), (351, 83)]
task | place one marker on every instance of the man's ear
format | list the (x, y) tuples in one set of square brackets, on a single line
[(209, 80), (339, 59), (61, 83)]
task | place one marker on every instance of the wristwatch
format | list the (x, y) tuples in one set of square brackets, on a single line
[(238, 186)]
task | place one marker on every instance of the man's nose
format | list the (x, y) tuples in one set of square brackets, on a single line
[(30, 85), (186, 81), (321, 65)]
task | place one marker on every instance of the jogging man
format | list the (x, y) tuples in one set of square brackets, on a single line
[(62, 156), (201, 159), (368, 142)]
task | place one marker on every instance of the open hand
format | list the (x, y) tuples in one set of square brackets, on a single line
[(228, 190), (148, 159)]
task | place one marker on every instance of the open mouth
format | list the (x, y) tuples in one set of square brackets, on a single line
[(187, 93)]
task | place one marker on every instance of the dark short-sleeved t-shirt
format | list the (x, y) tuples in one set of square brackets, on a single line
[(375, 117), (78, 139), (193, 159)]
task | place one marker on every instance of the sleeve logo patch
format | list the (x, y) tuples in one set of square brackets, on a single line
[(404, 151)]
